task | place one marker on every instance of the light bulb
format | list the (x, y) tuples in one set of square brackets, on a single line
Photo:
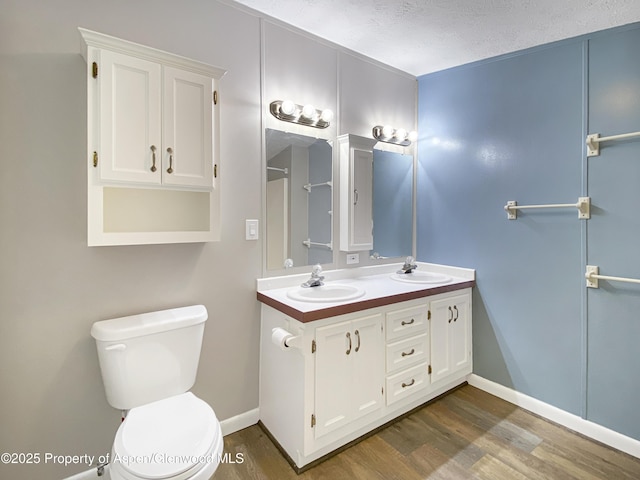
[(387, 131), (401, 134), (326, 115), (413, 136), (308, 111), (288, 107)]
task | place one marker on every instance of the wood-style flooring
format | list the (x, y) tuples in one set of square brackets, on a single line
[(467, 434)]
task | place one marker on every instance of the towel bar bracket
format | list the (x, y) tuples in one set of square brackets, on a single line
[(592, 282), (593, 145)]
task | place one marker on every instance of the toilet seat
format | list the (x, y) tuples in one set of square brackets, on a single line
[(173, 438)]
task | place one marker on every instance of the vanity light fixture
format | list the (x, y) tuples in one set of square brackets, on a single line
[(308, 115), (396, 136)]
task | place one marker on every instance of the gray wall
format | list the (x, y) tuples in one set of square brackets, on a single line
[(514, 128), (53, 287)]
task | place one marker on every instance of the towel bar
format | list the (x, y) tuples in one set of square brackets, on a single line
[(592, 275), (583, 205)]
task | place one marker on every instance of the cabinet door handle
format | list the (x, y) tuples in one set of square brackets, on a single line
[(153, 158), (406, 354), (170, 152), (358, 336), (355, 196), (450, 314), (455, 307), (405, 385), (403, 323), (349, 338)]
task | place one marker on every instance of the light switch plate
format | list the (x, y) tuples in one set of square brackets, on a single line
[(251, 229)]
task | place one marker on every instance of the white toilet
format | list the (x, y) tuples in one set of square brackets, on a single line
[(148, 364)]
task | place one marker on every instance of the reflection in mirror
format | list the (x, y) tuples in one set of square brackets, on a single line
[(299, 200), (392, 204)]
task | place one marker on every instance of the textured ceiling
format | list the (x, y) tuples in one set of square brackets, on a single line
[(423, 36)]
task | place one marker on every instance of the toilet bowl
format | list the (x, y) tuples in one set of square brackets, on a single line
[(178, 438), (148, 364)]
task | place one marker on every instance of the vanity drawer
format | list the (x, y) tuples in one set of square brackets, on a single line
[(409, 321), (407, 382), (408, 352)]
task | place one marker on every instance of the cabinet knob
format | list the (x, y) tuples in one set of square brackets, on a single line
[(170, 152)]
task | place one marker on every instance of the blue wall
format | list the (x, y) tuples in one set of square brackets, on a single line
[(514, 128)]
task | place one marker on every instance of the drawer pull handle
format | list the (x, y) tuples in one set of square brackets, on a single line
[(170, 152), (403, 323), (450, 314), (406, 354), (153, 158), (349, 338), (358, 336), (456, 309), (405, 385)]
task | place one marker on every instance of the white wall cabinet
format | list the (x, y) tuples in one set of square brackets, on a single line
[(355, 372), (356, 192), (153, 146)]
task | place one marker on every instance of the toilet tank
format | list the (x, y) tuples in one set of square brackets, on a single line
[(151, 356)]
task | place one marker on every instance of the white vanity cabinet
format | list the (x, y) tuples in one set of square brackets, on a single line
[(153, 144), (351, 373), (450, 336), (356, 192)]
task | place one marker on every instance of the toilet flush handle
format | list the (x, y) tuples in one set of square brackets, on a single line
[(117, 346)]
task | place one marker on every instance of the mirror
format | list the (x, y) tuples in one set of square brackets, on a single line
[(299, 195), (392, 204)]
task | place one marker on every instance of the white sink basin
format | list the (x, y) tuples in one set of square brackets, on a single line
[(325, 293), (421, 277)]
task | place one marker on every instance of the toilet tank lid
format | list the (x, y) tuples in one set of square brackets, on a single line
[(148, 323)]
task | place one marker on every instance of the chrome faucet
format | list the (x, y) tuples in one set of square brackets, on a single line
[(316, 280), (409, 265)]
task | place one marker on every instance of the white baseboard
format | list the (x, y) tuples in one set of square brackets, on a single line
[(239, 422), (585, 427)]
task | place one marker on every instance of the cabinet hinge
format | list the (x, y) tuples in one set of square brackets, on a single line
[(94, 70), (95, 159), (215, 97), (428, 314), (313, 346), (215, 170), (429, 370), (313, 420)]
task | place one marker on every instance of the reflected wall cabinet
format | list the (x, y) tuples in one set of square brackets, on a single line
[(153, 145), (356, 193)]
